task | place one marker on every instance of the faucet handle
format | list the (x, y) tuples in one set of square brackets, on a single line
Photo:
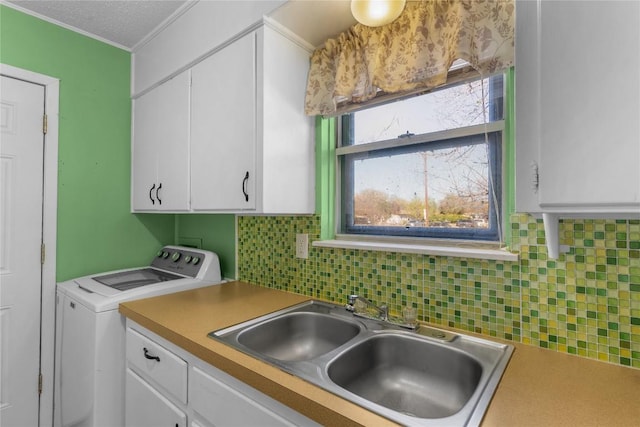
[(351, 304), (384, 311)]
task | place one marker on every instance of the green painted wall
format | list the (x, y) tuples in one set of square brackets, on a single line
[(215, 233), (96, 231)]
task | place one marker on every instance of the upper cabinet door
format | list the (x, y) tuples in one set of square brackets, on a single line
[(144, 155), (160, 164), (223, 129), (173, 154), (285, 138), (578, 104)]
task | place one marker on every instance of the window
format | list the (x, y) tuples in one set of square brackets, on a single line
[(425, 166)]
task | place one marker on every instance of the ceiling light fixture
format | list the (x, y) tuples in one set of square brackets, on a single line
[(375, 13)]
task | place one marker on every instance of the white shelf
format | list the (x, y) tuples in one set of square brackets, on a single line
[(425, 249)]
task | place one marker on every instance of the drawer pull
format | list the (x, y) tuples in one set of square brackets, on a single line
[(150, 357)]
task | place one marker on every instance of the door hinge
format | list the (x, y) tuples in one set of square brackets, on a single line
[(535, 177), (45, 124), (42, 253), (40, 383)]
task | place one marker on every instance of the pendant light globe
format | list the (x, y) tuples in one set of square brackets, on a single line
[(375, 13)]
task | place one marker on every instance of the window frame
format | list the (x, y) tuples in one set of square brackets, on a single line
[(493, 133)]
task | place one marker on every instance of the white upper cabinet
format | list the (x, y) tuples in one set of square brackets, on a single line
[(251, 144), (160, 149), (231, 131), (286, 149), (578, 107), (187, 38), (223, 128)]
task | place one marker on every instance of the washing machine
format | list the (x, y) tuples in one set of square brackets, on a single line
[(90, 332)]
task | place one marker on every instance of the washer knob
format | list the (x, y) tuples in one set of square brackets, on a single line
[(196, 260), (175, 256), (165, 254), (187, 259)]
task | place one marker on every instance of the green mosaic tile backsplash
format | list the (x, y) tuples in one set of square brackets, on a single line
[(586, 303)]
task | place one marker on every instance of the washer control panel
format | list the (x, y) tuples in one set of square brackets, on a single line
[(180, 260)]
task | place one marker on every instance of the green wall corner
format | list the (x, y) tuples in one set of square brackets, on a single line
[(216, 233), (96, 231), (325, 175), (509, 153)]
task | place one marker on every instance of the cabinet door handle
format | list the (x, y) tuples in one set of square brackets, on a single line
[(150, 357), (153, 202), (244, 187), (158, 194)]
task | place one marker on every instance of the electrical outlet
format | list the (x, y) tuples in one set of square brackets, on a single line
[(302, 246)]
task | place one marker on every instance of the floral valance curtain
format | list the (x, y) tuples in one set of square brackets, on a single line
[(413, 52)]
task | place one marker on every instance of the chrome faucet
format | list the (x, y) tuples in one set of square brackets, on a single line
[(382, 311), (362, 307)]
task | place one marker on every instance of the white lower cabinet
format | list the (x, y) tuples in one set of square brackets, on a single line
[(160, 365), (147, 407), (218, 402), (157, 394)]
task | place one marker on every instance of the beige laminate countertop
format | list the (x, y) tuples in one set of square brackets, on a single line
[(539, 388)]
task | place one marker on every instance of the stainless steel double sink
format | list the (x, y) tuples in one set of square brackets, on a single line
[(428, 377)]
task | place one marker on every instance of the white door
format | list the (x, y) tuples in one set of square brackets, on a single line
[(21, 201)]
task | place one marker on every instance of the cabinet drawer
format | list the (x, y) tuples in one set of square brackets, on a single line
[(158, 364), (148, 408)]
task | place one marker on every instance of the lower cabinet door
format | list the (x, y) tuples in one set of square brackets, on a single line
[(199, 423), (222, 405), (146, 407)]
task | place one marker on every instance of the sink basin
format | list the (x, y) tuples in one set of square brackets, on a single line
[(298, 336), (408, 375), (428, 377)]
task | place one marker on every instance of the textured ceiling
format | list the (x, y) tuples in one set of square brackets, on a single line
[(315, 20), (124, 22)]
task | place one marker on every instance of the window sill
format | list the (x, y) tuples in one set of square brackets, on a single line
[(495, 254)]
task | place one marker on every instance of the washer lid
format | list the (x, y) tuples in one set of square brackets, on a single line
[(125, 280)]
